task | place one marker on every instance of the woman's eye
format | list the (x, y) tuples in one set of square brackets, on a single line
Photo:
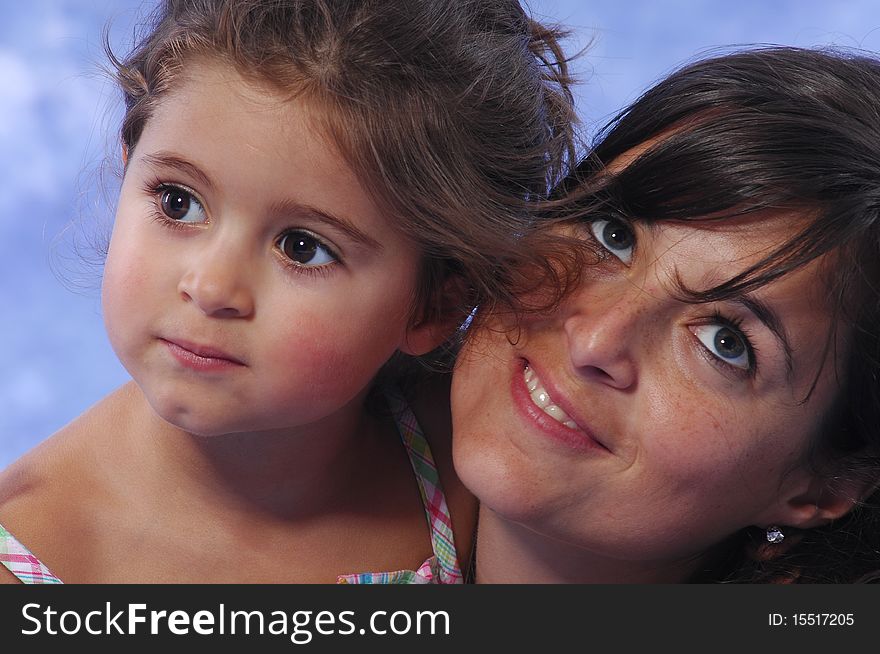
[(305, 249), (725, 343), (179, 205), (615, 236)]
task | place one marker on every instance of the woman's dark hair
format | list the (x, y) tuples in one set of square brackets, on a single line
[(775, 130)]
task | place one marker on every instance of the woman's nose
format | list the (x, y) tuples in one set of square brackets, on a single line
[(216, 281), (603, 330)]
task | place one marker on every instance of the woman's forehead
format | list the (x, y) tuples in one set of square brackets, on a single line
[(742, 239)]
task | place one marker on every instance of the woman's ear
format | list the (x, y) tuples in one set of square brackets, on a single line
[(823, 499), (124, 155)]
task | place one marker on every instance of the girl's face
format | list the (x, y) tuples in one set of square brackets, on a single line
[(640, 428), (251, 282)]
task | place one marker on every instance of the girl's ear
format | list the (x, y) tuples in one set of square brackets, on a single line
[(425, 336), (822, 499), (428, 334), (124, 155)]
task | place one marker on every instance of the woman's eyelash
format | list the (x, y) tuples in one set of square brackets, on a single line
[(736, 324), (613, 236)]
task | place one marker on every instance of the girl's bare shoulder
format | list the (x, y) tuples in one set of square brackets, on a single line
[(39, 500), (48, 495)]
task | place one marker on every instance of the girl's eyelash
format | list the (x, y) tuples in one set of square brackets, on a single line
[(322, 270), (312, 271), (165, 221), (736, 324), (154, 188)]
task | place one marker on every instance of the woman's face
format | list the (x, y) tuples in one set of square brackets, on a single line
[(637, 426)]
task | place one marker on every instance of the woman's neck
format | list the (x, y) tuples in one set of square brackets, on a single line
[(511, 553)]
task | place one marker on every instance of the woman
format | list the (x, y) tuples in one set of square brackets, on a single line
[(704, 406)]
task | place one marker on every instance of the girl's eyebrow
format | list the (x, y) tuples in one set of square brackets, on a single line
[(291, 208), (770, 319), (165, 159)]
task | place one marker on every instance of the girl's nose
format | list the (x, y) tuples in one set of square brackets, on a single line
[(218, 285)]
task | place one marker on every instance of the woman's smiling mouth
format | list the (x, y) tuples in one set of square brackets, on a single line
[(543, 400), (537, 404)]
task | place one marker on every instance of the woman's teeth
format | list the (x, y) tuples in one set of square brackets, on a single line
[(543, 401)]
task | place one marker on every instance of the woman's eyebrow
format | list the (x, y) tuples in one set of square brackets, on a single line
[(771, 320)]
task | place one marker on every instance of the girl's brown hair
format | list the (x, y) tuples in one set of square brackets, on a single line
[(455, 114)]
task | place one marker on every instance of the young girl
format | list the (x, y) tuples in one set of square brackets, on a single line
[(705, 406), (311, 189)]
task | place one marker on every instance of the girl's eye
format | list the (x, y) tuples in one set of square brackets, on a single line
[(179, 205), (305, 249), (725, 343), (615, 236)]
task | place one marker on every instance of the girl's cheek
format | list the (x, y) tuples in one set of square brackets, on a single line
[(330, 362)]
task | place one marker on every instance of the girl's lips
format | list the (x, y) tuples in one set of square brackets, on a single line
[(545, 410), (200, 357)]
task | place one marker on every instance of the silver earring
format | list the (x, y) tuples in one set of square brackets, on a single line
[(775, 535)]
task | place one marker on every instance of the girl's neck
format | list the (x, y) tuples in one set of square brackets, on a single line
[(511, 553), (289, 474)]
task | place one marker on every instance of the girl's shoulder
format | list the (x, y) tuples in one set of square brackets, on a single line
[(429, 400), (49, 497), (38, 503), (26, 511)]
